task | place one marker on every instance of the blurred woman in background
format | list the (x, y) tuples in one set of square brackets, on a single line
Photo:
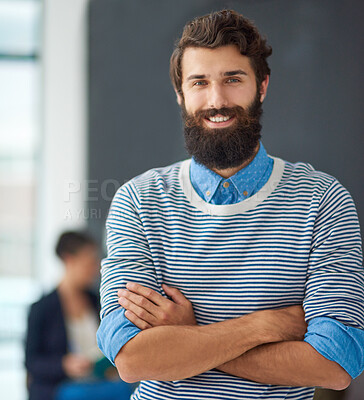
[(61, 355)]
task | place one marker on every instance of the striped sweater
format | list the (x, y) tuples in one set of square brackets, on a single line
[(296, 241)]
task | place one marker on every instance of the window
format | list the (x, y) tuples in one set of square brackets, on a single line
[(20, 41)]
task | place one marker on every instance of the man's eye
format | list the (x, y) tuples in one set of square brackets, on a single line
[(200, 83), (233, 80)]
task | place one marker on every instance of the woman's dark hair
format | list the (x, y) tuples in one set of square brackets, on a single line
[(71, 242), (222, 28)]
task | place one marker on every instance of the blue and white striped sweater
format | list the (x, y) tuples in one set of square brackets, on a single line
[(295, 241)]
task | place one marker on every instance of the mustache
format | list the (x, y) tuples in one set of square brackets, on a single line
[(225, 112), (198, 116)]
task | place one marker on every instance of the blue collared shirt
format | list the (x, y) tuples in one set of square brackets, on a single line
[(246, 182)]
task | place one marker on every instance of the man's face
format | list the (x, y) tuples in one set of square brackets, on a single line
[(220, 106)]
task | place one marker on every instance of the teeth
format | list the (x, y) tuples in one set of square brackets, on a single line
[(219, 119)]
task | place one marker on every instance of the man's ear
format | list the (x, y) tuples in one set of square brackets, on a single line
[(179, 97), (264, 88)]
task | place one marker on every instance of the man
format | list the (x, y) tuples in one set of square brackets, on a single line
[(238, 241)]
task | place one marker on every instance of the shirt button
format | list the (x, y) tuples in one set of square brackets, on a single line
[(208, 193), (245, 193), (226, 184)]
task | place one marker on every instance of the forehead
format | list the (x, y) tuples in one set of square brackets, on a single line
[(205, 61)]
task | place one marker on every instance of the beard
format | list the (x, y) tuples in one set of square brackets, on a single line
[(223, 148)]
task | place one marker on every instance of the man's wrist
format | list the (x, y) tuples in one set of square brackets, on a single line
[(285, 324), (261, 329), (245, 332)]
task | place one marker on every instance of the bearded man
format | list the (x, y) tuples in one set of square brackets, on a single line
[(238, 274)]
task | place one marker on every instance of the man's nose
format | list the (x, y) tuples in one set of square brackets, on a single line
[(217, 97)]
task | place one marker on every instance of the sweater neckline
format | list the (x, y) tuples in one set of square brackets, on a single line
[(229, 209)]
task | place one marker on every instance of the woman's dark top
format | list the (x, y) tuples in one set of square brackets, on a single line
[(46, 344)]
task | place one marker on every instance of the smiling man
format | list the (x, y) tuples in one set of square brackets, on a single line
[(219, 261)]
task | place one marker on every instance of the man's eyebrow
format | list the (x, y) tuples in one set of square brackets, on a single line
[(236, 72), (227, 73), (196, 77)]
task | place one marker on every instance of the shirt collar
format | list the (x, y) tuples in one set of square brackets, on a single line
[(204, 179), (245, 180)]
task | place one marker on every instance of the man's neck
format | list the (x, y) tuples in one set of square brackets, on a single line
[(228, 172)]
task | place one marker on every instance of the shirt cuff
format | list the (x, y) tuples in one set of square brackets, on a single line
[(114, 331), (337, 342)]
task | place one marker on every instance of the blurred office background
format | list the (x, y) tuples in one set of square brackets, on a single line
[(86, 104)]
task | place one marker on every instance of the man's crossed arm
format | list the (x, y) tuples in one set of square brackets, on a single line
[(265, 346)]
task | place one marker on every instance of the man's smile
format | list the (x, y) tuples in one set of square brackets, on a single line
[(219, 121)]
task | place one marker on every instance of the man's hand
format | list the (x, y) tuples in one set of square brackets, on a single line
[(146, 308), (76, 366)]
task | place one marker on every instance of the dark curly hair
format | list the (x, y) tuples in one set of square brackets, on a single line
[(222, 28)]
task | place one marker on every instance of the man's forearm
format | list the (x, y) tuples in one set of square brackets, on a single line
[(177, 352), (288, 364)]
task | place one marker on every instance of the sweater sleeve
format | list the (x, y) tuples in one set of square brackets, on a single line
[(128, 260), (334, 292)]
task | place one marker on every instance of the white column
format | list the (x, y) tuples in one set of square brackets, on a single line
[(62, 175)]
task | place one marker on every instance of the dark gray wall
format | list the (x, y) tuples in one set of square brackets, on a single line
[(314, 108)]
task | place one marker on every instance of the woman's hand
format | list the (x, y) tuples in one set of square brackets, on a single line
[(76, 366), (146, 308)]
